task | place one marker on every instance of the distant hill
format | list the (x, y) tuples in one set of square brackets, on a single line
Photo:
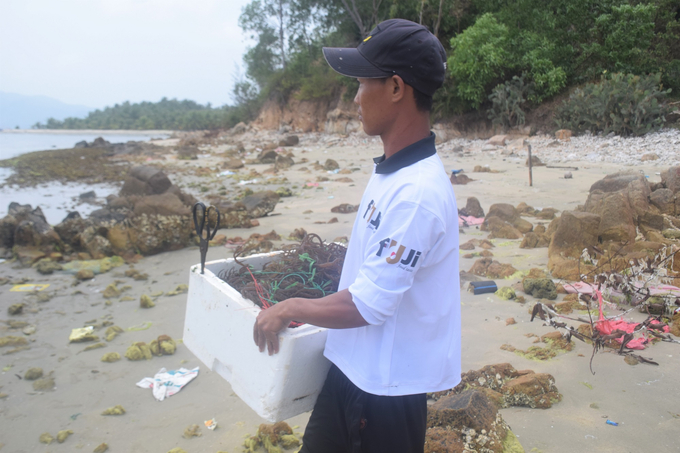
[(25, 111)]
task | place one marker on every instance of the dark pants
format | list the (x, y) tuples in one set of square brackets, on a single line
[(348, 420)]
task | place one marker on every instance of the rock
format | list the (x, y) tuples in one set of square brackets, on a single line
[(15, 309), (145, 180), (240, 128), (509, 214), (267, 157), (33, 373), (506, 293), (260, 204), (472, 208), (547, 213), (47, 266), (63, 435), (497, 140), (671, 179), (573, 231), (500, 228), (43, 384), (460, 179), (111, 291), (138, 351), (192, 431), (331, 165), (617, 220), (568, 175), (671, 234), (146, 302), (233, 163), (46, 438), (167, 204), (110, 357), (563, 134), (187, 153), (32, 228), (115, 410), (489, 268), (540, 288), (533, 240), (290, 140), (163, 345), (665, 200), (510, 321), (85, 274), (345, 208), (536, 390), (481, 169), (28, 255), (283, 162)]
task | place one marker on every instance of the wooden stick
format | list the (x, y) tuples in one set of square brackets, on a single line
[(531, 176)]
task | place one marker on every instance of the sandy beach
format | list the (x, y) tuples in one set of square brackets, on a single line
[(642, 399)]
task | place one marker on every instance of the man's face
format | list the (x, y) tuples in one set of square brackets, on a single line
[(375, 106)]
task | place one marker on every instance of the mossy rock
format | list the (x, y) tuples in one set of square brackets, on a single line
[(146, 302), (540, 288), (506, 293), (110, 357), (138, 351), (33, 373), (115, 410), (167, 346), (63, 435)]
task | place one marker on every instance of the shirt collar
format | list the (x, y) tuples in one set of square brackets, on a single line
[(422, 149)]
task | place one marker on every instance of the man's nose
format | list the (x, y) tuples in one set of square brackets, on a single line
[(356, 98)]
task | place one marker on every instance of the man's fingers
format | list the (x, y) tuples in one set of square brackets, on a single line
[(273, 343)]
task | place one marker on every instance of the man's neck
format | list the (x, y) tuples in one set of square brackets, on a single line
[(402, 135)]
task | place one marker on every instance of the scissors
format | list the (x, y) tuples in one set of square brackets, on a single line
[(202, 223)]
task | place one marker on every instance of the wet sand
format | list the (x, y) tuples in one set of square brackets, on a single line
[(643, 399)]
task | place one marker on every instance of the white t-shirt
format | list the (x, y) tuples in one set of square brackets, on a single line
[(401, 269)]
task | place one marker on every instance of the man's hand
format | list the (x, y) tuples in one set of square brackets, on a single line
[(267, 327)]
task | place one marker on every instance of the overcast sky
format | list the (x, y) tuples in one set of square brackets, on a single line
[(101, 52)]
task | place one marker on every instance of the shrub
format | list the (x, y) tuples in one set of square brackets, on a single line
[(506, 102), (480, 58), (625, 104)]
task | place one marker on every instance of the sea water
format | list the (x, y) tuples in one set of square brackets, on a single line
[(56, 199)]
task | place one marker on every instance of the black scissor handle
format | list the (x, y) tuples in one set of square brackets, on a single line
[(199, 219), (211, 235), (202, 220)]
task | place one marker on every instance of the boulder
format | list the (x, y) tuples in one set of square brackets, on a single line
[(267, 157), (289, 140), (282, 162), (665, 200), (574, 231), (509, 214), (473, 417), (534, 240), (535, 162), (460, 179), (233, 163), (535, 390), (486, 267), (540, 288), (617, 219), (616, 181), (331, 165), (187, 153), (472, 208), (260, 204), (497, 140), (563, 134), (240, 128), (72, 225), (671, 179), (500, 228), (145, 180), (167, 204), (233, 215)]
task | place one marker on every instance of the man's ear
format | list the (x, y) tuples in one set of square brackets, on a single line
[(398, 88)]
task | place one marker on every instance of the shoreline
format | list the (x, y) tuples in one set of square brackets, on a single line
[(88, 131)]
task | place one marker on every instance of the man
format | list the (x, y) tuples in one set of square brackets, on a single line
[(395, 320)]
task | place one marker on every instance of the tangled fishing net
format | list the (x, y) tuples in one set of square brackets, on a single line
[(310, 269)]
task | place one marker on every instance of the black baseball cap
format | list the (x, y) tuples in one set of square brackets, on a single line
[(394, 47)]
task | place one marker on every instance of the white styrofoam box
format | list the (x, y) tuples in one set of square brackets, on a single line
[(218, 329)]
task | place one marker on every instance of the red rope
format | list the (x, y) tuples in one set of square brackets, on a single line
[(265, 303)]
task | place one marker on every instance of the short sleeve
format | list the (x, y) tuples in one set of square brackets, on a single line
[(392, 258)]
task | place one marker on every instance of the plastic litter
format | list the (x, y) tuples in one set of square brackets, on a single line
[(30, 287), (210, 424), (226, 173), (82, 334), (609, 422), (250, 181), (167, 383)]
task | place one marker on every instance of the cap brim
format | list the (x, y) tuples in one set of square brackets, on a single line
[(349, 62)]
